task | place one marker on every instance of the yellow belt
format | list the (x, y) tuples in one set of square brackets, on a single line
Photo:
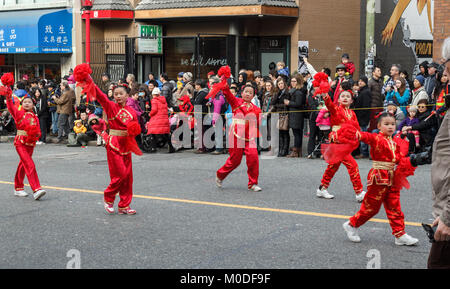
[(21, 133), (383, 166), (239, 121), (335, 128), (118, 132)]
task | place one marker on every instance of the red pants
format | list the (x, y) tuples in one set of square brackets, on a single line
[(353, 171), (377, 195), (121, 174), (251, 156), (26, 167)]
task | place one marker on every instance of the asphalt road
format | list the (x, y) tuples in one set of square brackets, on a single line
[(184, 221)]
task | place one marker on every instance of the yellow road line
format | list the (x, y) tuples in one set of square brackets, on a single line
[(284, 211)]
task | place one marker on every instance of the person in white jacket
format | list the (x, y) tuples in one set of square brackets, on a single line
[(418, 92)]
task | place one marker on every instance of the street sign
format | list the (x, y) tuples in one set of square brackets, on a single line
[(150, 41)]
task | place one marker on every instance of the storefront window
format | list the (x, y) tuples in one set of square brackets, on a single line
[(180, 55), (32, 71)]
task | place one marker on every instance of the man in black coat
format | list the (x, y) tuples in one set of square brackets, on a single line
[(200, 93), (362, 104)]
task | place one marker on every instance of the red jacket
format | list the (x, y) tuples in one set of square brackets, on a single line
[(159, 118)]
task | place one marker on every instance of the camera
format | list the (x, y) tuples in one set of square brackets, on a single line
[(423, 158)]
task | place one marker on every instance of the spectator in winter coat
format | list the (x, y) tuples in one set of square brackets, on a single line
[(166, 90), (419, 92), (218, 103), (296, 103), (431, 79), (42, 112), (201, 91), (65, 106), (375, 85), (427, 125), (349, 65), (400, 95), (341, 76), (159, 125)]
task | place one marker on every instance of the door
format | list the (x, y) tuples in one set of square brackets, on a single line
[(267, 58), (148, 64)]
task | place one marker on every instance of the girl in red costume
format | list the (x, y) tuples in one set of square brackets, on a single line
[(340, 114), (384, 180), (243, 131), (28, 132), (119, 142)]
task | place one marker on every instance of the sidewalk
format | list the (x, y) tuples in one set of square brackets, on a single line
[(50, 140)]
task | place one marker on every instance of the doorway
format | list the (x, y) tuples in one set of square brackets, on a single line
[(148, 64), (268, 59)]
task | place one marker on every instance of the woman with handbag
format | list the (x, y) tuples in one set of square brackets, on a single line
[(269, 93), (296, 104), (283, 117)]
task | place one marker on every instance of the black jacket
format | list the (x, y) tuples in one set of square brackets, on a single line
[(427, 127), (41, 107), (363, 100), (297, 101), (199, 99)]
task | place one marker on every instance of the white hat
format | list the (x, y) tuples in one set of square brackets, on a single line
[(156, 91)]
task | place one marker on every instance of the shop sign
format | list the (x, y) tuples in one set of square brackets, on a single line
[(208, 61), (150, 45), (424, 48), (38, 31)]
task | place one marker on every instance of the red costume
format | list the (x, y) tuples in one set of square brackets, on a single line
[(119, 146), (28, 132), (338, 116), (242, 136), (120, 141), (384, 180)]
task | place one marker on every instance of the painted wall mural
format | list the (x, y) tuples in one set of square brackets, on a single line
[(415, 20)]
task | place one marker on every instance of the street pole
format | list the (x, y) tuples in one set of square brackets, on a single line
[(86, 7), (88, 36)]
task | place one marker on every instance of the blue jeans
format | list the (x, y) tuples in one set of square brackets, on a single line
[(54, 122), (364, 148)]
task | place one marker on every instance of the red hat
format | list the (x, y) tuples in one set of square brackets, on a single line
[(211, 73)]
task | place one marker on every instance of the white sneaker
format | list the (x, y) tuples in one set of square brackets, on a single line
[(39, 142), (21, 193), (255, 188), (39, 194), (109, 208), (218, 182), (360, 196), (406, 240), (323, 194), (352, 232)]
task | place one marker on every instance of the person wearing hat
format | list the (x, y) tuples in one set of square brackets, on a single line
[(431, 79), (393, 109), (51, 91), (159, 125), (418, 92), (349, 65), (106, 82), (28, 133), (336, 85), (188, 88)]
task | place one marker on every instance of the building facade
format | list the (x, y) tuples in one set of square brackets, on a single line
[(37, 38)]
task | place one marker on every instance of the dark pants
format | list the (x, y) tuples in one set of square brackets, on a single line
[(313, 134), (63, 125), (298, 137), (439, 257), (43, 123)]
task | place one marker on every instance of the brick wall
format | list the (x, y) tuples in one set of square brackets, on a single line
[(441, 25), (332, 28)]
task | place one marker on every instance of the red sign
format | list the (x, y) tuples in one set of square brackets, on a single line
[(110, 14)]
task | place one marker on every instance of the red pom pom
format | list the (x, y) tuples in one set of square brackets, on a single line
[(82, 72), (225, 71), (33, 133), (5, 91), (8, 79), (133, 128), (324, 87)]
